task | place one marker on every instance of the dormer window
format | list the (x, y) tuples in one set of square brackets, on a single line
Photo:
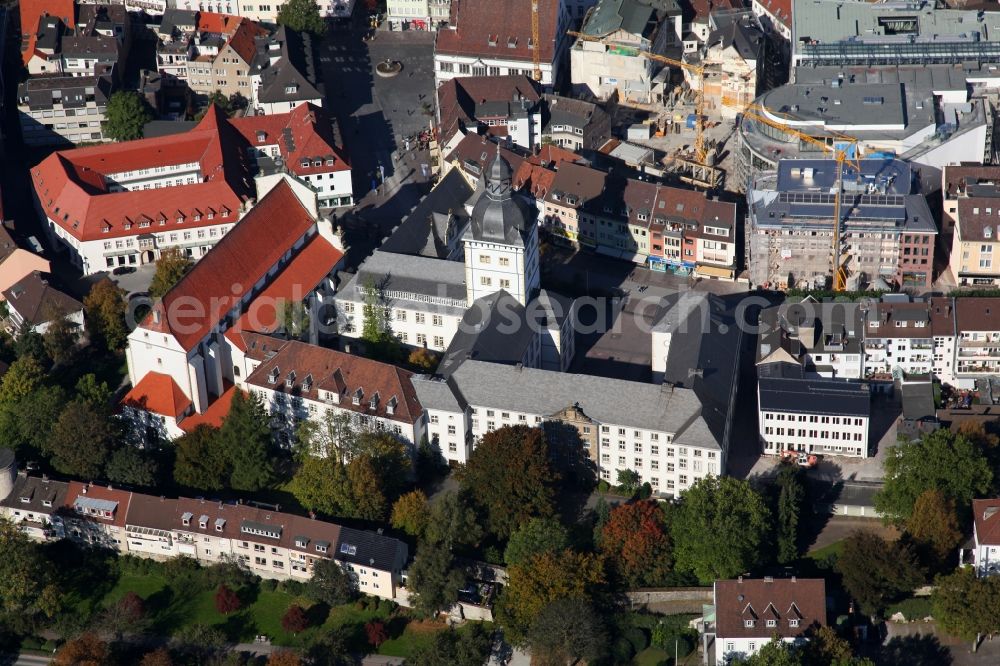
[(772, 623), (373, 403), (220, 524), (348, 549), (203, 521), (305, 163), (748, 624), (301, 542), (290, 379), (307, 382), (261, 136), (493, 39), (186, 518), (794, 622), (318, 163), (330, 161), (292, 88), (357, 396), (272, 376), (390, 407)]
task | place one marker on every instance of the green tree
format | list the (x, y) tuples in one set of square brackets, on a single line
[(170, 268), (568, 631), (245, 437), (826, 648), (376, 326), (26, 423), (966, 606), (200, 460), (95, 394), (330, 584), (22, 573), (933, 526), (538, 535), (30, 343), (127, 115), (81, 441), (628, 482), (775, 652), (542, 580), (509, 476), (469, 646), (60, 339), (791, 504), (294, 319), (940, 460), (128, 465), (410, 513), (453, 522), (332, 435), (876, 572), (720, 528), (104, 308), (433, 580), (367, 497), (303, 16), (321, 485), (23, 377)]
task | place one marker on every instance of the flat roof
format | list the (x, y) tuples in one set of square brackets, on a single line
[(814, 396)]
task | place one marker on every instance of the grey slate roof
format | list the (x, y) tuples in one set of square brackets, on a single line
[(498, 216), (493, 329), (425, 230), (634, 404), (918, 401), (370, 549), (298, 66), (44, 495), (180, 20), (814, 396), (438, 393), (412, 274), (638, 17)]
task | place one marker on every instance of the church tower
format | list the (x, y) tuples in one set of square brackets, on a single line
[(501, 241)]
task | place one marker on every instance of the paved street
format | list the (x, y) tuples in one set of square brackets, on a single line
[(376, 116)]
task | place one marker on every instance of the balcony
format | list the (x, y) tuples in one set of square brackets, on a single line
[(980, 352)]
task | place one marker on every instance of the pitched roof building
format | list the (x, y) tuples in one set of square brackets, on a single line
[(501, 106), (488, 38), (33, 304), (986, 536), (750, 612), (285, 72), (196, 334)]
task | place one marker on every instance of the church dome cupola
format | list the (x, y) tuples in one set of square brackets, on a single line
[(498, 217)]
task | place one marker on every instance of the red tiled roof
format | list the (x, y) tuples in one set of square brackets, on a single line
[(77, 489), (986, 513), (224, 24), (213, 287), (242, 40), (780, 9), (781, 599), (32, 11), (977, 314), (216, 413), (458, 97), (158, 393), (477, 23), (300, 277), (312, 138), (344, 374), (72, 189)]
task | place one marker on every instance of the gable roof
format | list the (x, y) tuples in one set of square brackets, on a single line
[(459, 98), (312, 369), (295, 76), (32, 11), (986, 513), (39, 302), (100, 498), (762, 599), (242, 39), (73, 188), (232, 267), (492, 29), (158, 393), (303, 136)]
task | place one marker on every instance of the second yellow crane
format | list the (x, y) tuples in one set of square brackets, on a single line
[(843, 148)]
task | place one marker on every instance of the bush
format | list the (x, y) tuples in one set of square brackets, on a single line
[(645, 491), (492, 555), (602, 486), (914, 608), (622, 651), (671, 629), (294, 588), (637, 637), (138, 566), (268, 584)]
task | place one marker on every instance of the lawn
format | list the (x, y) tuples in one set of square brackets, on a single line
[(822, 554), (171, 611)]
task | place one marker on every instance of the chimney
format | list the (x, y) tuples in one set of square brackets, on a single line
[(740, 579), (793, 579)]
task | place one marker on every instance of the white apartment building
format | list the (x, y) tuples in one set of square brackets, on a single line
[(661, 432), (298, 381), (823, 416), (491, 38), (985, 537), (825, 339), (263, 11), (271, 544)]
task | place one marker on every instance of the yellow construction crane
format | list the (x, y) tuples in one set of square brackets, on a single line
[(843, 148), (701, 155), (536, 56)]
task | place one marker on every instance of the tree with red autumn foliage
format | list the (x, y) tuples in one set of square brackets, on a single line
[(85, 650), (226, 601), (636, 542), (294, 620), (284, 658), (376, 633)]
